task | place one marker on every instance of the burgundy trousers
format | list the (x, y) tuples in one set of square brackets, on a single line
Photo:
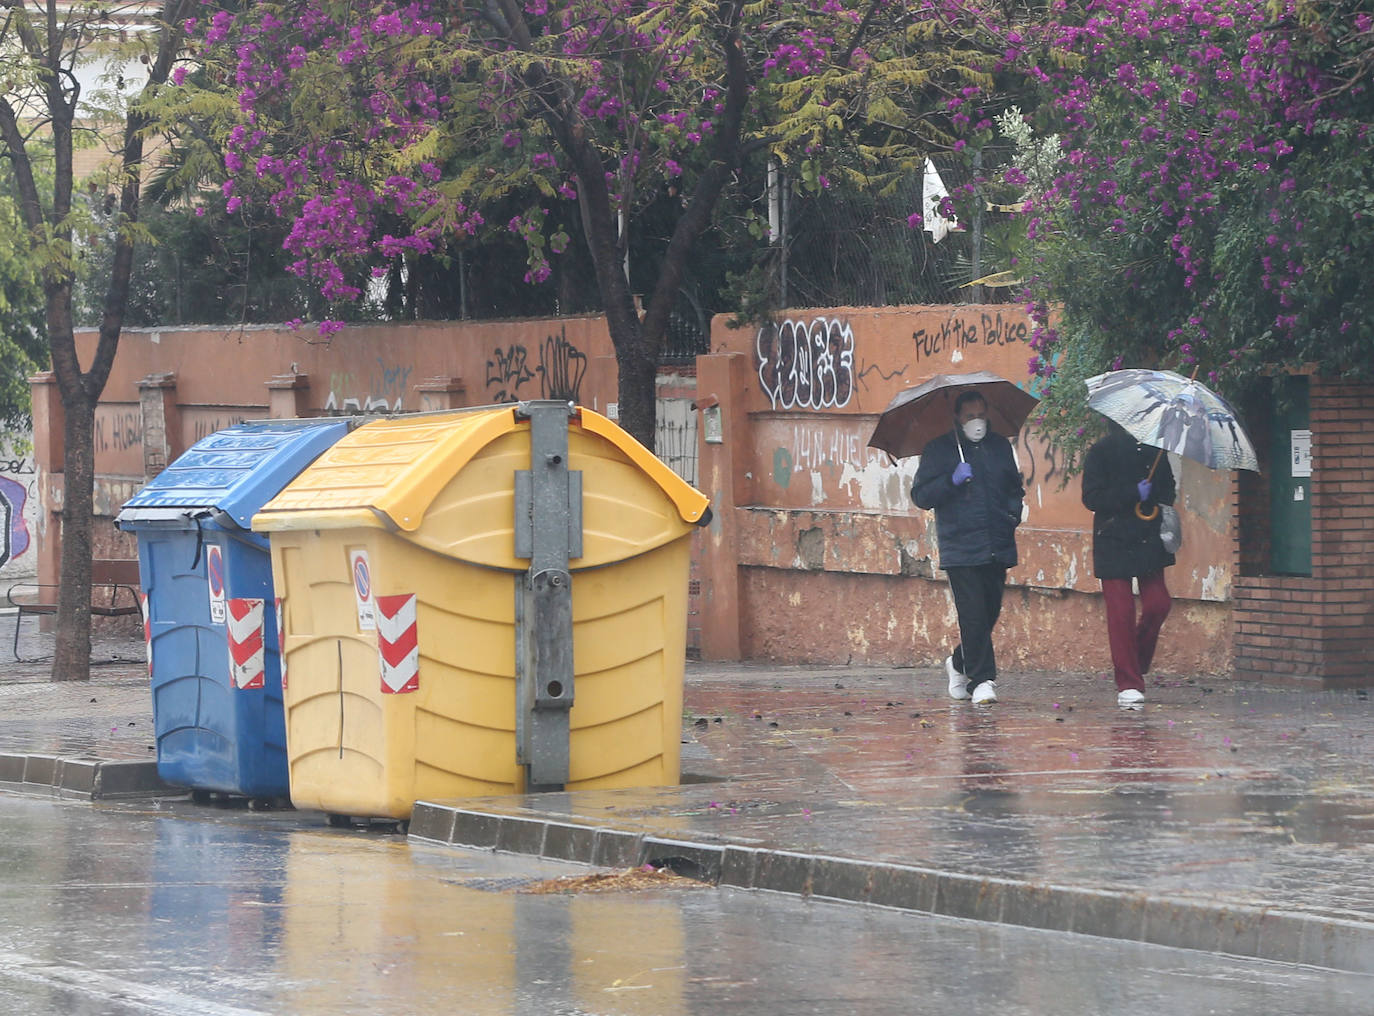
[(1133, 642)]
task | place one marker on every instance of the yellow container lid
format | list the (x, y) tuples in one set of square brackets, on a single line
[(387, 473)]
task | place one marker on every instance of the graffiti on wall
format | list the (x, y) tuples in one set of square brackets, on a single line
[(806, 365), (814, 447), (562, 366), (957, 334), (560, 371), (1040, 463), (837, 468), (118, 431), (204, 426), (14, 498), (508, 370), (385, 390)]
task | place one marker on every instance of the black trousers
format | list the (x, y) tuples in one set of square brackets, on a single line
[(977, 592)]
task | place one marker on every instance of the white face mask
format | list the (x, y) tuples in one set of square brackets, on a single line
[(976, 430)]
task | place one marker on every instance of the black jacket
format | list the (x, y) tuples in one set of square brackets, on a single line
[(1125, 545), (975, 522)]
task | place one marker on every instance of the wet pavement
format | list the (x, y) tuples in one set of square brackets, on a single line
[(165, 908), (1224, 817)]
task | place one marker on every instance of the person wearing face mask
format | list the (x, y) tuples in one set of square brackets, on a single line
[(970, 478)]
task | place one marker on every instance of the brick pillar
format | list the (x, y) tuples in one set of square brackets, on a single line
[(157, 402), (1314, 630), (49, 453), (440, 393), (1342, 521), (722, 393), (288, 396)]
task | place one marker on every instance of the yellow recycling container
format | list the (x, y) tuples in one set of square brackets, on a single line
[(395, 562)]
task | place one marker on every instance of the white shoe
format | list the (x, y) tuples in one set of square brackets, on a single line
[(1131, 699), (958, 683), (985, 693)]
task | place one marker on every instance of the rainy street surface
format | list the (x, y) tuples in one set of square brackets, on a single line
[(1223, 817), (871, 847), (168, 907)]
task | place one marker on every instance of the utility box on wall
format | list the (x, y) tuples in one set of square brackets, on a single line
[(1290, 481)]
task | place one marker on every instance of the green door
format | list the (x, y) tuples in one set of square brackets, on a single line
[(1290, 483)]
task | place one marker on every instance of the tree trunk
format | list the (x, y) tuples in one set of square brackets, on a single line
[(636, 353), (72, 650), (637, 342), (72, 643), (636, 359), (53, 48)]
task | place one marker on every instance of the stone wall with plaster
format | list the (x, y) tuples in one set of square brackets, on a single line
[(817, 554)]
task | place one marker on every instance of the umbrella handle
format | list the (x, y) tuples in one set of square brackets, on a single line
[(959, 444), (1140, 513), (1155, 464)]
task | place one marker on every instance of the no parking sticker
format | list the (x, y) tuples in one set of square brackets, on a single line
[(362, 589), (214, 578)]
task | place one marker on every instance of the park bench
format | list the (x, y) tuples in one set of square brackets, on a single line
[(114, 593)]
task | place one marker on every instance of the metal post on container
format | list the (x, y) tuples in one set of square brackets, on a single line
[(548, 531)]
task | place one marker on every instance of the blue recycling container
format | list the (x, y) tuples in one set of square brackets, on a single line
[(209, 607)]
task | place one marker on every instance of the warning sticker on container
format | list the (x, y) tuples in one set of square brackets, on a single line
[(246, 643), (147, 629), (281, 643), (214, 578), (362, 589), (398, 643)]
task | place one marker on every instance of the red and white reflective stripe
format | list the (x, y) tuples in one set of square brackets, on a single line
[(281, 644), (398, 642), (246, 652), (147, 629)]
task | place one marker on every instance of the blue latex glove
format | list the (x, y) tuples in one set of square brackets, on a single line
[(1143, 489), (963, 472)]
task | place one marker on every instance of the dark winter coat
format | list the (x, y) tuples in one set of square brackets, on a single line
[(1125, 545), (975, 523)]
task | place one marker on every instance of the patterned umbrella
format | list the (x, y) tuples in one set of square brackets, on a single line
[(917, 415), (1178, 414)]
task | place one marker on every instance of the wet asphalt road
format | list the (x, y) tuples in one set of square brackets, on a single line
[(175, 908)]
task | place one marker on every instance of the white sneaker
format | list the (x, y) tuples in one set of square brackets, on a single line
[(985, 693), (1131, 699), (958, 683)]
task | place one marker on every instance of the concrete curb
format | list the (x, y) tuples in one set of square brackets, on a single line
[(81, 777), (1255, 932)]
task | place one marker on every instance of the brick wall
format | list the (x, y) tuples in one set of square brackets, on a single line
[(1314, 629)]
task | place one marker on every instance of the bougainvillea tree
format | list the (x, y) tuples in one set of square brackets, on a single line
[(1211, 206), (390, 131), (48, 53)]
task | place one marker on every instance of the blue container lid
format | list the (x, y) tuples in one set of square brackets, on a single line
[(232, 473)]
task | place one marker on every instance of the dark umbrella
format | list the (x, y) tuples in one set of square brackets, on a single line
[(917, 415)]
